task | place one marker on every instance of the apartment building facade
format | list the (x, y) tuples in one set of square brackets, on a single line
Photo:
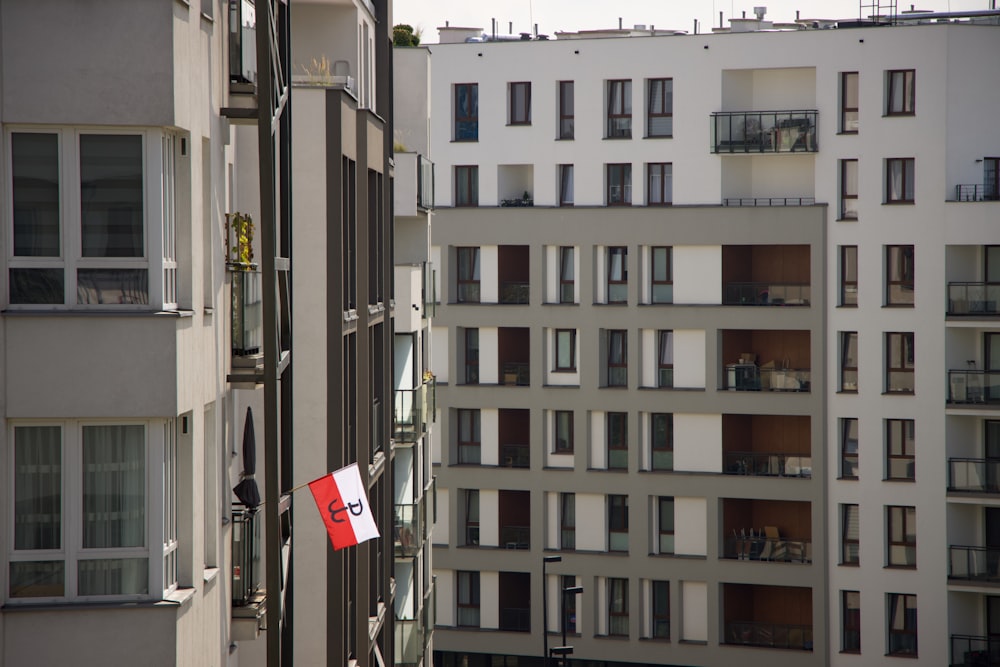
[(661, 261)]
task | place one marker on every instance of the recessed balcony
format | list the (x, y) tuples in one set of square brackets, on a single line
[(974, 564), (974, 651), (765, 275), (977, 192), (249, 598), (768, 616), (766, 446), (967, 475), (749, 132), (973, 299), (766, 530), (765, 360), (971, 387), (408, 529)]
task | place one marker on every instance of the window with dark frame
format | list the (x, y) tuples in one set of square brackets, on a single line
[(849, 189), (617, 435), (565, 185), (850, 621), (471, 356), (617, 607), (567, 274), (659, 184), (564, 431), (849, 535), (619, 177), (619, 109), (899, 180), (848, 448), (849, 275), (662, 274), (661, 428), (569, 603), (665, 524), (519, 95), (849, 361), (900, 270), (617, 274), (469, 437), (466, 112), (468, 599), (902, 624), (617, 523), (665, 359), (848, 102), (567, 521), (472, 517), (902, 528), (660, 591), (617, 358), (899, 362), (565, 343), (901, 97), (466, 185), (468, 274), (659, 107), (900, 449), (566, 110)]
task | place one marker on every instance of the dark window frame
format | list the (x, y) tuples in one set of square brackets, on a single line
[(566, 185), (900, 520), (470, 598), (621, 277), (567, 110), (850, 547), (664, 446), (660, 609), (900, 449), (906, 361), (470, 524), (665, 521), (901, 638), (849, 212), (619, 109), (471, 364), (848, 354), (661, 100), (664, 369), (469, 174), (519, 114), (907, 171), (848, 276), (616, 435), (618, 606), (567, 524), (568, 447), (472, 117), (466, 258), (567, 285), (907, 78), (664, 179), (571, 368), (667, 252), (618, 175), (471, 418), (848, 458), (615, 336), (900, 275), (617, 516), (845, 108), (850, 621)]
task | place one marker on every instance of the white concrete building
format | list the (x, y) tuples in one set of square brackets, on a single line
[(687, 245)]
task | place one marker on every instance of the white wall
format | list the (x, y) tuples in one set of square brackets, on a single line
[(690, 526), (592, 534), (489, 434), (697, 274), (689, 358), (440, 353), (446, 595), (489, 518), (598, 449), (489, 594), (489, 355), (489, 276), (698, 442), (694, 611), (442, 527)]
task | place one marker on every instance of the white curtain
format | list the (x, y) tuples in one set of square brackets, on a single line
[(114, 576), (37, 487), (114, 486)]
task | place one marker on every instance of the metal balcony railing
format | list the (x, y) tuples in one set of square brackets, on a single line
[(515, 373), (749, 377), (773, 635), (975, 651), (792, 131), (515, 619), (408, 529), (515, 456), (246, 554), (769, 201), (242, 41), (766, 294), (973, 299), (411, 412), (974, 475), (514, 292), (974, 563), (246, 312), (766, 464), (976, 192), (770, 549), (971, 387), (515, 537)]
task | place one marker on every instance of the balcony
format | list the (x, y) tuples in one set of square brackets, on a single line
[(766, 294), (414, 635), (246, 314), (974, 651), (515, 537), (242, 62), (769, 616), (515, 373), (764, 132), (973, 475), (248, 595), (769, 201), (514, 519), (408, 533), (973, 299), (766, 275), (772, 635), (977, 192), (766, 464), (976, 564), (973, 387), (514, 601), (763, 548), (785, 536), (515, 456), (777, 360), (411, 409), (514, 292)]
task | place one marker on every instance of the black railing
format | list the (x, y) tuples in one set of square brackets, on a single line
[(774, 635), (976, 192), (242, 41), (514, 292), (515, 456), (974, 563), (515, 620), (515, 537), (766, 294), (975, 651), (973, 299), (246, 555), (774, 549), (764, 132), (515, 373), (769, 201), (749, 377), (766, 464), (974, 475), (971, 387), (520, 202)]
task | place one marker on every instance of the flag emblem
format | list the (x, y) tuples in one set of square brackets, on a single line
[(343, 504)]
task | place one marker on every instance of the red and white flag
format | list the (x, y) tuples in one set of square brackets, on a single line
[(343, 504)]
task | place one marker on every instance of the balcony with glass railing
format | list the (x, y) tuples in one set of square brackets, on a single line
[(973, 299), (973, 387), (411, 411), (792, 131), (770, 635), (969, 475), (975, 564), (974, 651), (766, 464), (425, 183), (408, 529), (246, 312)]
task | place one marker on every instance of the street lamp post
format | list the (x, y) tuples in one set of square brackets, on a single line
[(545, 607)]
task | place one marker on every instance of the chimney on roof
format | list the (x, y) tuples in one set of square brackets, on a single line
[(446, 24), (619, 23), (760, 11)]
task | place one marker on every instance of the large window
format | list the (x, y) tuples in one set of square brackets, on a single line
[(468, 599), (660, 608), (466, 185), (848, 189), (565, 344), (902, 529), (82, 526), (665, 359), (566, 113), (567, 274), (519, 98), (617, 607), (659, 183), (79, 219), (565, 185), (468, 274), (665, 524), (471, 356), (899, 180), (564, 431), (900, 272), (902, 623), (619, 180), (849, 535), (617, 523), (617, 274), (850, 621), (849, 102), (567, 521), (659, 107), (662, 274), (619, 109), (849, 361), (617, 438), (849, 275), (848, 448), (901, 95), (617, 358), (900, 449), (899, 362), (469, 438), (661, 428), (466, 112)]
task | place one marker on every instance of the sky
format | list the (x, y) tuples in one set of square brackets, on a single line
[(570, 15)]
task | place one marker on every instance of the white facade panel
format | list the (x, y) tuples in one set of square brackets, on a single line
[(698, 443), (442, 527), (441, 354), (690, 526), (598, 449), (697, 274), (489, 447), (694, 611), (689, 358), (489, 593), (591, 535), (489, 277), (489, 355), (489, 518)]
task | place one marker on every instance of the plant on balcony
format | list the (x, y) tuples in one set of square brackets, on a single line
[(239, 241)]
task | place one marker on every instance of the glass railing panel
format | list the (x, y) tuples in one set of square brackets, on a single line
[(408, 532), (764, 131), (766, 464), (515, 456), (514, 292), (773, 635), (246, 574), (515, 373), (974, 475), (971, 386), (975, 651), (746, 547), (766, 294), (246, 312), (515, 537), (973, 299)]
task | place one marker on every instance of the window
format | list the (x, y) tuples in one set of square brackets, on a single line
[(469, 438), (899, 363), (849, 535), (569, 604), (902, 522), (848, 448), (566, 110), (659, 107), (848, 189), (665, 524), (565, 340), (901, 99), (662, 288), (619, 184), (468, 599), (849, 361), (849, 102), (564, 431), (850, 621), (619, 109), (660, 594), (902, 624), (466, 112), (617, 358), (617, 438), (85, 243), (900, 449), (991, 178), (467, 185), (82, 511), (567, 521), (617, 274), (468, 274), (565, 185), (472, 356), (849, 275), (661, 428), (659, 183), (567, 274), (899, 178), (617, 607), (617, 523), (665, 359), (472, 517), (900, 272), (519, 97)]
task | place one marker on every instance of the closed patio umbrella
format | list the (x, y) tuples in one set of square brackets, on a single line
[(247, 490)]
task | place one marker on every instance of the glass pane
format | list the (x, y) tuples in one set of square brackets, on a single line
[(111, 197), (37, 286), (850, 176), (35, 179), (564, 349), (37, 487), (114, 487), (114, 576), (37, 579), (851, 91), (112, 286)]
